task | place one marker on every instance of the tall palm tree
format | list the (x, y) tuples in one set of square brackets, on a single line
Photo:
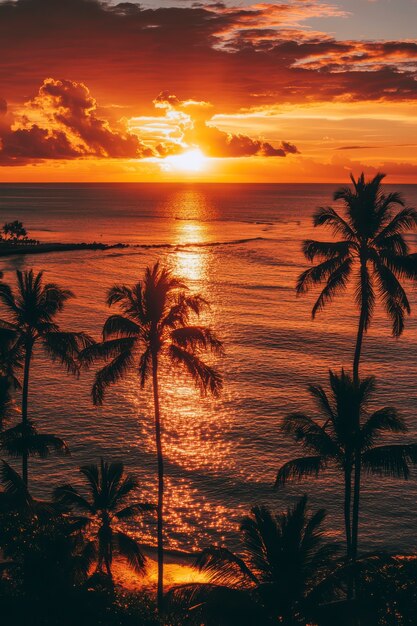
[(155, 326), (30, 317), (283, 561), (370, 240), (333, 439), (107, 504)]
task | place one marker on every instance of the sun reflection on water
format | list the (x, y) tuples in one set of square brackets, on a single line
[(190, 262)]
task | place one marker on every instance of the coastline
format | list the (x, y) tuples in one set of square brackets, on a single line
[(41, 248)]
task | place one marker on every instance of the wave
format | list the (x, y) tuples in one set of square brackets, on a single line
[(197, 244), (274, 222)]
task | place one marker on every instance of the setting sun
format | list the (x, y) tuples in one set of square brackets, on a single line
[(189, 161)]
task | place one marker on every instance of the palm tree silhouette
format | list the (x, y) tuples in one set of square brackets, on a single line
[(371, 238), (283, 561), (155, 325), (31, 313), (46, 552), (107, 504), (333, 439)]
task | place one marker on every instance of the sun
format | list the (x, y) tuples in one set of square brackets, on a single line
[(190, 161)]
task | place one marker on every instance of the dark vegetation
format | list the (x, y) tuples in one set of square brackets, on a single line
[(58, 555)]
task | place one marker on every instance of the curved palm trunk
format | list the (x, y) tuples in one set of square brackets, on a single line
[(356, 361), (358, 346), (160, 511), (353, 585), (25, 397)]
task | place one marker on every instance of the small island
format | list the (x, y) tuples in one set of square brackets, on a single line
[(14, 239)]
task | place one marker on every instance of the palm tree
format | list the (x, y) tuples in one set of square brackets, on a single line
[(155, 325), (107, 504), (372, 239), (282, 563), (46, 552), (30, 318), (333, 439)]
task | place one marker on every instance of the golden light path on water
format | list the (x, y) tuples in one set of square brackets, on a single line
[(193, 427)]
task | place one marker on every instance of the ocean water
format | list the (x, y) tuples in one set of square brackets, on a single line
[(239, 245)]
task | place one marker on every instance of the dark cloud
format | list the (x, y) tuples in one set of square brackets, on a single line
[(71, 129), (355, 147), (211, 52)]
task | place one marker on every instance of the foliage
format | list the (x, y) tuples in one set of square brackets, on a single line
[(344, 428), (14, 231), (284, 559), (370, 235), (108, 503)]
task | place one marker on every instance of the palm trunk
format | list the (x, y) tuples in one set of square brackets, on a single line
[(160, 511), (358, 346), (347, 511), (356, 380), (355, 511), (25, 396), (357, 453)]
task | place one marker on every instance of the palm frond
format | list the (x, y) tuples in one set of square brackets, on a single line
[(65, 347), (322, 401), (297, 469), (317, 274), (111, 374), (224, 567), (310, 434), (66, 495), (403, 221), (133, 509), (205, 377), (130, 550), (401, 266), (336, 283), (34, 444), (13, 484), (197, 337), (327, 216), (105, 350), (390, 460), (8, 299), (393, 295), (118, 326), (217, 605), (326, 249), (381, 421)]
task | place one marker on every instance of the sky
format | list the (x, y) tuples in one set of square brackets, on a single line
[(177, 90)]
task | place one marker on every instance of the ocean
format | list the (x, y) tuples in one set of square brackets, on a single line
[(240, 246)]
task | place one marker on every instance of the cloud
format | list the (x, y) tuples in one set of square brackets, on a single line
[(61, 122), (212, 53), (186, 123), (217, 143)]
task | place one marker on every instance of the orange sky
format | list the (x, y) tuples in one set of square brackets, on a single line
[(93, 91)]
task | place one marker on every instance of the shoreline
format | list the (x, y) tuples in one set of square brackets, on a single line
[(41, 248)]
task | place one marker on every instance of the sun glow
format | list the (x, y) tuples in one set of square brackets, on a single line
[(190, 161)]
